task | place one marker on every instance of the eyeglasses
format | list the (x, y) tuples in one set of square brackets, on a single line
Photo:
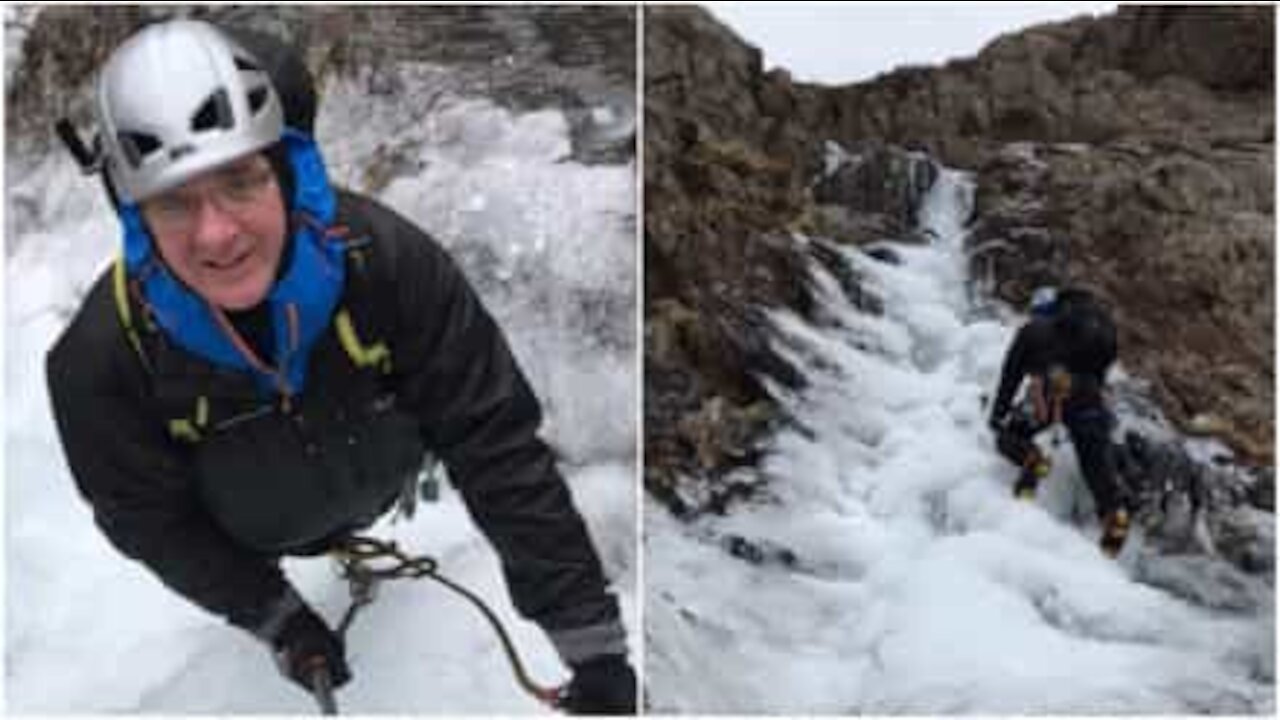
[(234, 190)]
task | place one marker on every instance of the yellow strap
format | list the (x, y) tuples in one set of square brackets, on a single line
[(122, 295), (189, 428), (202, 411), (376, 354), (181, 429), (121, 286)]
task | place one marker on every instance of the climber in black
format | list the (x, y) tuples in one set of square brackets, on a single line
[(264, 369), (1065, 349)]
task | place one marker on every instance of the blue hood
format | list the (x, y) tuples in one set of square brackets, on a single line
[(309, 287)]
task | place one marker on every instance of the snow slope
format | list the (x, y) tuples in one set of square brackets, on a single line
[(889, 570), (90, 632)]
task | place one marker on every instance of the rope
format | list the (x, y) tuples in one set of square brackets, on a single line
[(355, 554)]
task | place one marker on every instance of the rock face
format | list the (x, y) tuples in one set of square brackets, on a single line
[(1187, 506), (715, 248), (1178, 237), (1132, 153)]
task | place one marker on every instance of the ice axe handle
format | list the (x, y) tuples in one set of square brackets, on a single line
[(322, 690)]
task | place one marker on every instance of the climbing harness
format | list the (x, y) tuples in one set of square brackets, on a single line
[(1048, 393), (365, 562)]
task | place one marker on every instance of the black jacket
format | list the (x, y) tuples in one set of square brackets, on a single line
[(211, 516), (1041, 344)]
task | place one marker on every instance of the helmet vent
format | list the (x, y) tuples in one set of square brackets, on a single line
[(215, 112), (178, 99), (137, 146), (257, 98), (243, 63)]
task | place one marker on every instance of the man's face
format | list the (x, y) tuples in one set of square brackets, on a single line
[(222, 232)]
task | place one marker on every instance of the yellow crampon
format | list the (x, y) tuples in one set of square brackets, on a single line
[(1035, 469), (1115, 530)]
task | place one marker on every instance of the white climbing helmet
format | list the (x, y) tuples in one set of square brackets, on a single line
[(179, 98)]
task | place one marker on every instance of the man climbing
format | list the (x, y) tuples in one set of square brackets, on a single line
[(1065, 350), (263, 370)]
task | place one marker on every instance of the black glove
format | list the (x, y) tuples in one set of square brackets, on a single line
[(997, 423), (304, 645), (603, 685)]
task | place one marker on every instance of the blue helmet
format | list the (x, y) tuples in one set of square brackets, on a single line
[(1044, 301)]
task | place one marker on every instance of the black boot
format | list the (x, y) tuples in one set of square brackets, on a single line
[(1036, 468), (1025, 487)]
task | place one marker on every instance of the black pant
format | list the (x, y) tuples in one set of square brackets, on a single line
[(1090, 431), (1015, 441)]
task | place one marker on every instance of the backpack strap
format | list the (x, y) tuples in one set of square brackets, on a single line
[(120, 286), (186, 429), (375, 354), (366, 347)]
